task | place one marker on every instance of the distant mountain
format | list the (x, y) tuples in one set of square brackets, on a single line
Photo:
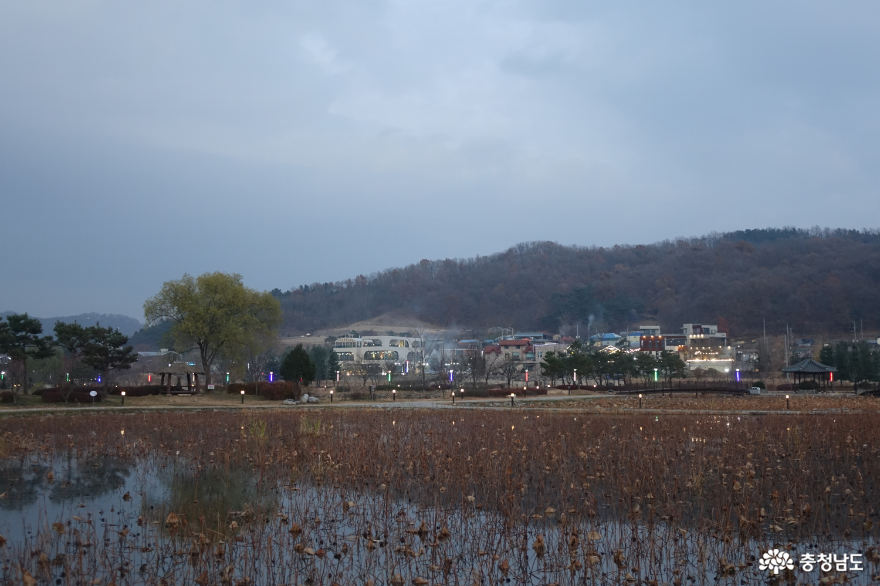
[(126, 325), (817, 280), (152, 338)]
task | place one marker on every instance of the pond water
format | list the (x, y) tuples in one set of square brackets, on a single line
[(129, 520)]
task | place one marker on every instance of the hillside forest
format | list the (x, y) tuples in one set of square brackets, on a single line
[(819, 281)]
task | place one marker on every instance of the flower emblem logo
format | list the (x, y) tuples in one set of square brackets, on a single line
[(775, 560)]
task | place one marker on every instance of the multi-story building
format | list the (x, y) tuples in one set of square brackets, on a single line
[(513, 350), (708, 348), (379, 348)]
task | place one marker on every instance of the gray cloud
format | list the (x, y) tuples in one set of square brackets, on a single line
[(300, 141)]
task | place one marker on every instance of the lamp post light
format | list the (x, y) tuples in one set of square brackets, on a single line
[(337, 376), (394, 394), (123, 398), (331, 395), (512, 397), (462, 393), (737, 375), (227, 378), (640, 400), (575, 381), (242, 396), (453, 396), (786, 402), (655, 378)]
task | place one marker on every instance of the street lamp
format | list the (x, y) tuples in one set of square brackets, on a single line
[(394, 394), (242, 396), (453, 396), (512, 397), (331, 395), (786, 402), (640, 400), (655, 378), (123, 398)]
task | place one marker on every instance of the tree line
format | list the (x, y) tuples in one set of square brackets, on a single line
[(817, 280), (100, 349), (857, 362), (582, 362)]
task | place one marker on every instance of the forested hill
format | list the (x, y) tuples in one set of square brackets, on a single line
[(818, 280)]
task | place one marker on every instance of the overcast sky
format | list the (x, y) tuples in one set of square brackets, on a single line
[(303, 141)]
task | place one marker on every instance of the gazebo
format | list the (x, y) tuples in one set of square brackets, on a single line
[(810, 368), (183, 372)]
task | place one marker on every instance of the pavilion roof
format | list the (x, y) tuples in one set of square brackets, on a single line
[(809, 366)]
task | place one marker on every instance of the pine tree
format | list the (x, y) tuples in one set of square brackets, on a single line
[(297, 366)]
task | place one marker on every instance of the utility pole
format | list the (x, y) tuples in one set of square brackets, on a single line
[(786, 349)]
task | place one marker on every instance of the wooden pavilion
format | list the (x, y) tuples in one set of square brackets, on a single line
[(183, 373), (808, 368)]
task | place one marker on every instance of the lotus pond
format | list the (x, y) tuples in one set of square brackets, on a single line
[(392, 497)]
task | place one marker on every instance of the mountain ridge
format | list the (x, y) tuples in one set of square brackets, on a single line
[(818, 280)]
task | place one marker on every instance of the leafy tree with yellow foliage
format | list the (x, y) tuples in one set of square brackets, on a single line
[(213, 312)]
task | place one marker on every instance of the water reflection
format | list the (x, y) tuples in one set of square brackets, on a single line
[(212, 499), (92, 479), (20, 483)]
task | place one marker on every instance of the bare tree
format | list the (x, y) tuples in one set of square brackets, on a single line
[(509, 369), (474, 364), (491, 363)]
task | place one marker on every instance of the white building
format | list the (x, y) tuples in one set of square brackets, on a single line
[(396, 349)]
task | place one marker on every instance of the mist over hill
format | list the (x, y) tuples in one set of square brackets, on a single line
[(818, 280), (126, 325)]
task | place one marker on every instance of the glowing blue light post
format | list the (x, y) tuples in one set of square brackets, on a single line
[(227, 378), (655, 378), (271, 376), (737, 375), (406, 367)]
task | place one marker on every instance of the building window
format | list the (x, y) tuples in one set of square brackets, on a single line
[(379, 355), (345, 356)]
